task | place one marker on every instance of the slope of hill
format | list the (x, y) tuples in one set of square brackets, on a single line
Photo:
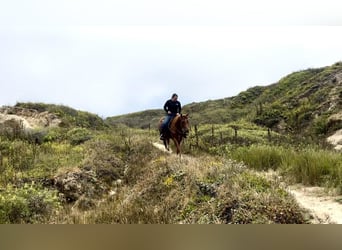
[(69, 117), (307, 102), (27, 118), (144, 119), (79, 175)]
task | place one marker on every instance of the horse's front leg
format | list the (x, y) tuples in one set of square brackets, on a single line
[(177, 143), (166, 144)]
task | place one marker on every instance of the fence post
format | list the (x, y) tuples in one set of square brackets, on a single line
[(269, 134), (196, 135), (212, 135), (235, 132)]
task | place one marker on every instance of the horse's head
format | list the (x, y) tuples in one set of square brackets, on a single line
[(184, 125)]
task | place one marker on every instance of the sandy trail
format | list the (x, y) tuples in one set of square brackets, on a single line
[(161, 147), (336, 139), (324, 208)]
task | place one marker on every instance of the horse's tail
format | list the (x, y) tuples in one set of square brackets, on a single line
[(160, 122)]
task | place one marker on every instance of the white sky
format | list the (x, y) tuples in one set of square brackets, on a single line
[(116, 57)]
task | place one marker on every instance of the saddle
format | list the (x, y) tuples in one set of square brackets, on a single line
[(168, 126)]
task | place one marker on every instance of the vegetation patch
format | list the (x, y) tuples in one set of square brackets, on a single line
[(27, 204)]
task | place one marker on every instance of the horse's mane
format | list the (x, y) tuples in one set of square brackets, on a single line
[(175, 124)]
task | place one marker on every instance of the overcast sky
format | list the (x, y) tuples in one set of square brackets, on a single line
[(117, 57)]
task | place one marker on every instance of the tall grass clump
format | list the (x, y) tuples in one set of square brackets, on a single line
[(260, 157), (312, 166), (309, 165)]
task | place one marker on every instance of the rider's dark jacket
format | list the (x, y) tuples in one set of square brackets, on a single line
[(174, 107)]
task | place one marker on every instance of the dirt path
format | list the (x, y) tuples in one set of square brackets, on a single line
[(161, 147), (336, 139), (324, 208)]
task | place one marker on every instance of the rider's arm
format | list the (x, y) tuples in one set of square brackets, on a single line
[(166, 106)]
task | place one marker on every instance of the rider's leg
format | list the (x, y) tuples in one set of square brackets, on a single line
[(164, 126)]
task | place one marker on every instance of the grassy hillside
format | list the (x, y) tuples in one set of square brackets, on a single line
[(144, 119), (301, 102), (117, 176)]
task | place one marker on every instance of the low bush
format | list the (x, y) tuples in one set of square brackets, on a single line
[(78, 136), (27, 204)]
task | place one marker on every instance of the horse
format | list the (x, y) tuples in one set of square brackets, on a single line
[(178, 129)]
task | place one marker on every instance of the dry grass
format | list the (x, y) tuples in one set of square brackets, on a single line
[(205, 189), (120, 177)]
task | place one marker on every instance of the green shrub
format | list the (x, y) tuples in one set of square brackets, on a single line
[(28, 204), (78, 136), (21, 155), (5, 146), (320, 126), (54, 134), (269, 118)]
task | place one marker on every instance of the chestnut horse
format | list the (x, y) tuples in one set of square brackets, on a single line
[(178, 129)]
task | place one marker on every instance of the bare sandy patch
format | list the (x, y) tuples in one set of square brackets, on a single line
[(324, 208), (336, 139)]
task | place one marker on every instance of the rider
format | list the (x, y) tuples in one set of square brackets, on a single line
[(172, 108)]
